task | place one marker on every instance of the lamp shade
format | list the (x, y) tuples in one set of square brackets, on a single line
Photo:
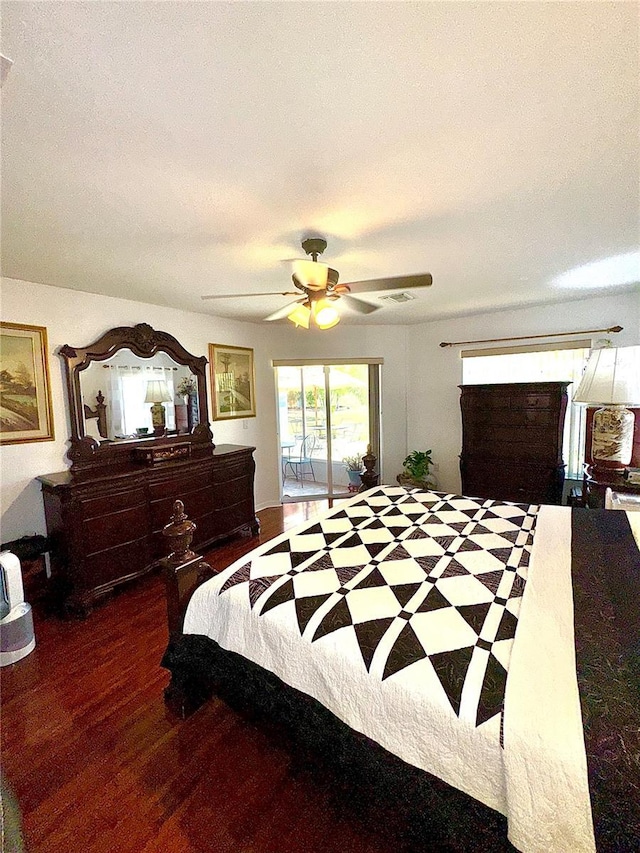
[(611, 378), (157, 392), (312, 274), (300, 315), (325, 314)]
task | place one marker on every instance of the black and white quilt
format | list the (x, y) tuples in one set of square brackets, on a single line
[(398, 611), (440, 577)]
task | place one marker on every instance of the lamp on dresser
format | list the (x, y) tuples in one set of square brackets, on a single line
[(611, 380), (157, 393)]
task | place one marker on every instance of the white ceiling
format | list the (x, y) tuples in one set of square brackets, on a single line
[(159, 151)]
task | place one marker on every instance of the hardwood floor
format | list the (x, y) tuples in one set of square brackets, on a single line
[(98, 765)]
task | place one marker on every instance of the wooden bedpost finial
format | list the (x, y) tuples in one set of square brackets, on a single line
[(179, 532), (369, 478)]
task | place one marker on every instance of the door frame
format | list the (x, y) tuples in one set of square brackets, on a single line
[(375, 412)]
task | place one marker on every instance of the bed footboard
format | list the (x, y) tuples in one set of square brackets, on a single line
[(184, 572)]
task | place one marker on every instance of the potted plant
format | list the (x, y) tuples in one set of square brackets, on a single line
[(416, 470), (353, 465)]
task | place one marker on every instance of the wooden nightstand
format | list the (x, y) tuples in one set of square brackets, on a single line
[(595, 485)]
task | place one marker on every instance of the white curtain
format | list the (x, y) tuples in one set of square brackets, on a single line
[(562, 365), (114, 400)]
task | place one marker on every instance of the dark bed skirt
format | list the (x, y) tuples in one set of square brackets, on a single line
[(419, 812)]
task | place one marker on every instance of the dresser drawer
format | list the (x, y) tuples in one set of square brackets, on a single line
[(522, 483), (231, 517), (114, 528), (193, 498), (540, 417), (116, 563), (537, 401), (502, 443), (514, 418), (232, 491), (219, 522), (174, 485), (234, 468), (111, 501)]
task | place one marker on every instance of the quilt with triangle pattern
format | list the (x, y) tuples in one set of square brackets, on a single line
[(410, 576), (397, 610), (443, 628)]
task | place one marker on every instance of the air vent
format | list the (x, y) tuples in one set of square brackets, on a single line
[(397, 297)]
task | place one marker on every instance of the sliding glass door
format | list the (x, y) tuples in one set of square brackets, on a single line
[(327, 416)]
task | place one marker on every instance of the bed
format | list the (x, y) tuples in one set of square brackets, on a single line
[(479, 659)]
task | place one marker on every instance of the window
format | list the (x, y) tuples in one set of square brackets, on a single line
[(541, 363)]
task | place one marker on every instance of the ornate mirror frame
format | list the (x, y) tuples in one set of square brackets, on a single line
[(144, 341)]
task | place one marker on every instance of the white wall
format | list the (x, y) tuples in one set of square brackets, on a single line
[(434, 372), (75, 318)]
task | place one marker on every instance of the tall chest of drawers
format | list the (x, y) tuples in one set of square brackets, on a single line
[(512, 441), (107, 529)]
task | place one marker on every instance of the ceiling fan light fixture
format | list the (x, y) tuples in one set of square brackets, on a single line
[(318, 285), (300, 315), (325, 314), (311, 274)]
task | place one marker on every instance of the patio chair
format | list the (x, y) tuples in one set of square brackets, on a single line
[(303, 463)]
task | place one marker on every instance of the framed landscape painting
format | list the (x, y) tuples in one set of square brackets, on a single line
[(232, 382), (25, 392)]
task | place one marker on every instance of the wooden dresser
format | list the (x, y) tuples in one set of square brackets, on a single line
[(512, 441), (105, 526)]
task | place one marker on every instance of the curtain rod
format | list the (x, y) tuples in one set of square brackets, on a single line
[(530, 337)]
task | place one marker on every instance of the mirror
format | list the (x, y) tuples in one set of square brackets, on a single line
[(133, 385), (114, 396)]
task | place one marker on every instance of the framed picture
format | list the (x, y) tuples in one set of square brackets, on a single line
[(232, 382), (25, 391)]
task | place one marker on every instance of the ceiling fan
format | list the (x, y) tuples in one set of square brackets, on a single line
[(317, 285)]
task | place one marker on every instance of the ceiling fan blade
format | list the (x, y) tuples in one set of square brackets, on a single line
[(284, 311), (399, 282), (358, 305), (238, 295)]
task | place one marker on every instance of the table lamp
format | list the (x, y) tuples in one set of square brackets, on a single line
[(157, 393), (611, 380)]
